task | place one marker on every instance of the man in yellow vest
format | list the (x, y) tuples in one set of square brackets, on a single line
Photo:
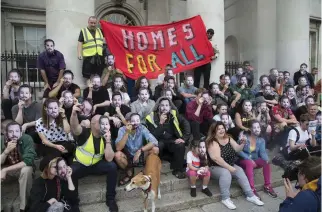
[(172, 132), (90, 49), (94, 153)]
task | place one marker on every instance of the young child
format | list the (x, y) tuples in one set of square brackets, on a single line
[(197, 167)]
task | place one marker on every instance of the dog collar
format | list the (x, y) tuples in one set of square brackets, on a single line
[(150, 186)]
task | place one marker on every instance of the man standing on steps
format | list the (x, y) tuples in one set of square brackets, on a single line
[(94, 153), (90, 49)]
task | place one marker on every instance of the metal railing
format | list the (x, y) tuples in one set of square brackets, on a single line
[(26, 63), (231, 67)]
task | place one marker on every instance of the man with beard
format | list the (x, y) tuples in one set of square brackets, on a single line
[(236, 78), (304, 108), (133, 143), (249, 73), (65, 84), (303, 73), (94, 153), (188, 90), (10, 93), (228, 90), (199, 114), (98, 94), (90, 48), (172, 131), (143, 105), (269, 95), (117, 112), (51, 63), (17, 159), (110, 71), (66, 102), (27, 112), (283, 114)]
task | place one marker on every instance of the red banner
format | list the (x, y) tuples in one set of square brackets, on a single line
[(146, 50)]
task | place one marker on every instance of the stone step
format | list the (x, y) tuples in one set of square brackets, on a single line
[(180, 199), (93, 192)]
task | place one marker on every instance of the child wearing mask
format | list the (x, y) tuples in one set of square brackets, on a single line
[(197, 167)]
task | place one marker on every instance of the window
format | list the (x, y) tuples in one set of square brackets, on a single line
[(29, 41), (29, 38), (314, 43)]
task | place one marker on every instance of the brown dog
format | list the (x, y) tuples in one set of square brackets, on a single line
[(148, 181)]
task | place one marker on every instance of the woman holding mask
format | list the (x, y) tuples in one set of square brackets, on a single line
[(54, 190), (221, 150)]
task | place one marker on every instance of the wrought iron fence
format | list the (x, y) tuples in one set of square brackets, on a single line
[(231, 67), (26, 63)]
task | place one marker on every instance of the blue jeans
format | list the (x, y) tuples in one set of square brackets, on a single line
[(101, 168)]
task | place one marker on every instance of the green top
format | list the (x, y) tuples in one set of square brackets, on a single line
[(25, 149)]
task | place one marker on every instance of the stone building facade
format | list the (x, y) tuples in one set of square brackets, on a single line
[(268, 33)]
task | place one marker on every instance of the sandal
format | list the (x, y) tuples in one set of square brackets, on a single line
[(126, 178), (179, 174)]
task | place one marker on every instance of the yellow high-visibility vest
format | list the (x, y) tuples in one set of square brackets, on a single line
[(85, 154), (150, 118), (90, 47)]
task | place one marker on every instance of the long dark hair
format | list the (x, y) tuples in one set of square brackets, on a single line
[(138, 83), (211, 137), (58, 120), (123, 88)]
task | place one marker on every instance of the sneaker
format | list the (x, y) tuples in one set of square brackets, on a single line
[(111, 204), (229, 204), (193, 192), (255, 200), (270, 191), (207, 192), (257, 195)]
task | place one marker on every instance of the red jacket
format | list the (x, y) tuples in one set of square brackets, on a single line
[(205, 112)]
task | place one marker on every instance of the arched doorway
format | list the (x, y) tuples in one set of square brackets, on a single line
[(231, 48), (119, 17)]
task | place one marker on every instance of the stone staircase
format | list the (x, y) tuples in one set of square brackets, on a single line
[(175, 193)]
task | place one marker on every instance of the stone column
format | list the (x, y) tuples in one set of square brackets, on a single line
[(212, 13), (64, 20), (293, 27)]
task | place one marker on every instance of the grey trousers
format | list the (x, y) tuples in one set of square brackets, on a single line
[(225, 176)]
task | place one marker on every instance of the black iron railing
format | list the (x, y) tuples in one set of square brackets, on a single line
[(26, 63), (231, 67)]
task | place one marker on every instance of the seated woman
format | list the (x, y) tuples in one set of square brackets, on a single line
[(245, 91), (141, 82), (54, 131), (308, 198), (243, 117), (118, 86), (254, 156), (263, 117), (54, 190), (221, 150)]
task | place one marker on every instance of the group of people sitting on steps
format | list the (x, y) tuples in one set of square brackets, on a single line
[(227, 126)]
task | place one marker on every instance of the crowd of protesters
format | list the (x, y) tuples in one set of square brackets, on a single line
[(105, 127)]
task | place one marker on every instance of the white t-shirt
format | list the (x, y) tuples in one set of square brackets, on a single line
[(231, 123), (193, 160), (292, 135)]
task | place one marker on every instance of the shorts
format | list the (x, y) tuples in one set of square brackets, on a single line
[(193, 173)]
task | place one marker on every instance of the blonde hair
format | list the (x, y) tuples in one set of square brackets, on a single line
[(45, 173)]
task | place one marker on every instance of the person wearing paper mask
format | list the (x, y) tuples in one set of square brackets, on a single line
[(196, 169), (188, 89), (27, 111), (17, 160), (94, 153), (54, 131), (10, 92), (303, 73), (118, 85), (144, 105), (110, 70)]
